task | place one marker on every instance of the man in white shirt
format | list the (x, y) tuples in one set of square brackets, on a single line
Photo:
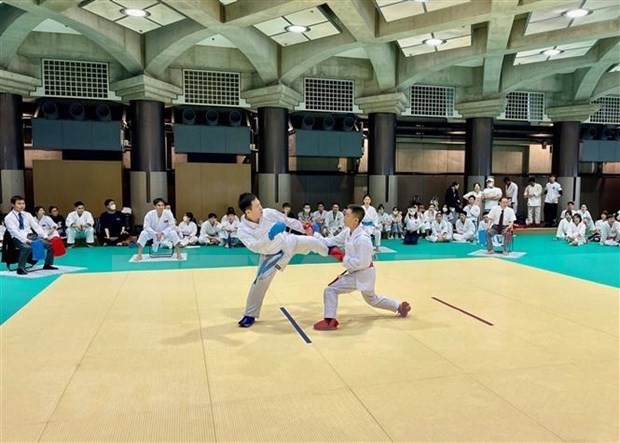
[(491, 195), (230, 225), (512, 193), (501, 219), (159, 226), (334, 220), (472, 210), (268, 232), (319, 215), (80, 225), (20, 225), (533, 194), (553, 191)]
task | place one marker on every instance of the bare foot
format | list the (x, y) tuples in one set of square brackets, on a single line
[(504, 252), (179, 257), (138, 258), (490, 252)]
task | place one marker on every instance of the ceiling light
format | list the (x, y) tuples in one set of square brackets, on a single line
[(135, 12), (576, 13), (299, 29), (433, 41), (552, 52)]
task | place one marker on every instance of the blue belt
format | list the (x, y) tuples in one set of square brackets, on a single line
[(269, 263), (368, 223)]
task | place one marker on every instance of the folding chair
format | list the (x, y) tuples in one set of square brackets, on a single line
[(158, 253), (498, 241), (10, 253)]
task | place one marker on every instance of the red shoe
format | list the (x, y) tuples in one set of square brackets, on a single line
[(403, 309), (336, 252), (326, 325)]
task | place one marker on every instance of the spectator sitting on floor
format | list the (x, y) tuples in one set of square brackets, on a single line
[(187, 230), (576, 235), (465, 229), (229, 230), (211, 232), (286, 210), (413, 224), (441, 230), (396, 227), (562, 230), (46, 223), (80, 225), (614, 233), (59, 220), (385, 221), (113, 225), (602, 228), (305, 215), (334, 220)]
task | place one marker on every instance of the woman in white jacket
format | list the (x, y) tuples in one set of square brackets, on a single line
[(187, 230), (576, 235)]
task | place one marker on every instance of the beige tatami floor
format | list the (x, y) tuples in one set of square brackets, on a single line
[(157, 356)]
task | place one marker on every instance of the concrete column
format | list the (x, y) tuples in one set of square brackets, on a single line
[(274, 181), (382, 184), (148, 177), (383, 110), (479, 138), (273, 104), (478, 150), (11, 149), (565, 160), (566, 139)]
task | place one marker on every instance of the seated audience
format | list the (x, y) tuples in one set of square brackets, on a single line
[(472, 210), (113, 225), (287, 210), (158, 226), (59, 220), (319, 216), (229, 230), (501, 219), (305, 215), (465, 228), (570, 207), (586, 217), (46, 223), (187, 230), (441, 230), (334, 220), (614, 233), (80, 225), (211, 232), (576, 235), (230, 210), (413, 224), (563, 225), (396, 227), (483, 227), (602, 228), (429, 217), (385, 222)]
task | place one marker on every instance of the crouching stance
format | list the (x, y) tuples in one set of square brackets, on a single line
[(268, 233), (360, 271), (158, 226)]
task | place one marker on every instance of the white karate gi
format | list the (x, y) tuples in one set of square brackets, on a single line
[(473, 213), (512, 192), (586, 217), (577, 233), (228, 234), (465, 231), (491, 192), (440, 231), (385, 222), (533, 195), (187, 233), (209, 231), (48, 226), (275, 254), (371, 224), (359, 275), (613, 238), (319, 217), (562, 229), (428, 219), (153, 225), (73, 233), (334, 223)]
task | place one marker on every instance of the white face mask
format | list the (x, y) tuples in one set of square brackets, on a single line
[(306, 210), (112, 207), (396, 212), (185, 219)]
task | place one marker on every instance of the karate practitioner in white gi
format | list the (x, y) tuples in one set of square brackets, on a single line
[(267, 232), (360, 271), (465, 228), (371, 222), (158, 226)]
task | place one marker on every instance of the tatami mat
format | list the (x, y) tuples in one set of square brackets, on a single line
[(157, 356)]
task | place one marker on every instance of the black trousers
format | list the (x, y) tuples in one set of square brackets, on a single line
[(550, 213), (25, 251), (112, 241)]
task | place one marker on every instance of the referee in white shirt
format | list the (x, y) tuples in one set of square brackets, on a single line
[(501, 218), (21, 225)]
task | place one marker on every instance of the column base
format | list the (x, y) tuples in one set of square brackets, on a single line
[(274, 190), (145, 187), (383, 189)]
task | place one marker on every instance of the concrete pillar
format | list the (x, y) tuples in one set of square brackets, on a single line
[(148, 177), (273, 104), (565, 155), (478, 150), (382, 184), (11, 149), (479, 138), (274, 181), (383, 110)]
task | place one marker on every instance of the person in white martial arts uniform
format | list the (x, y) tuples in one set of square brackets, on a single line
[(587, 219), (533, 194), (230, 226), (360, 271), (576, 235), (465, 229), (334, 220), (46, 223), (230, 210), (268, 232), (562, 230), (570, 207), (472, 210), (210, 231), (428, 217), (602, 228), (512, 193), (613, 239), (476, 192), (319, 216), (187, 230), (441, 230), (413, 224), (385, 221), (80, 225), (371, 222), (158, 226)]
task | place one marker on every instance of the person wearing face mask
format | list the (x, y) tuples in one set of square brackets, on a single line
[(112, 225), (46, 223), (396, 229), (385, 221), (305, 215), (187, 230), (413, 223), (58, 219)]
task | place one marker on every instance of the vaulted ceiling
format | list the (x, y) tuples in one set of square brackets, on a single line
[(502, 45)]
